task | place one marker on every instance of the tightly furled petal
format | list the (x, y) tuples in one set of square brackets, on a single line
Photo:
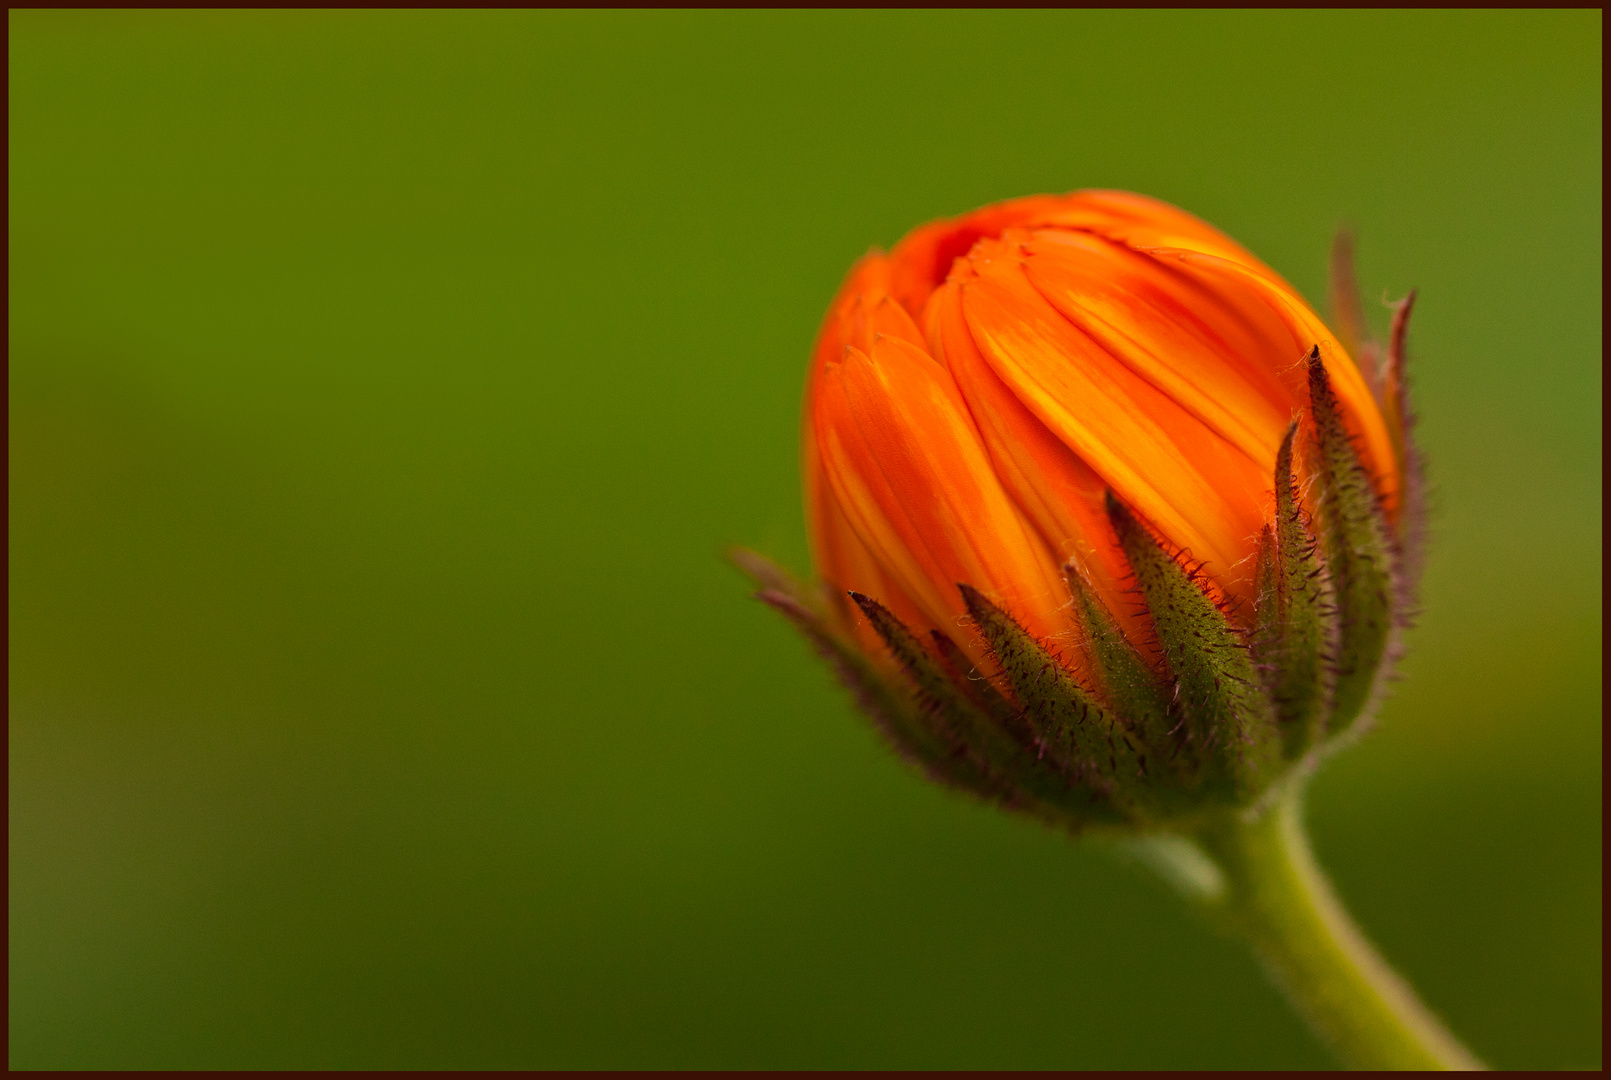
[(905, 464), (1303, 331), (1056, 490), (1096, 446), (1202, 492), (1167, 329), (977, 394), (862, 309), (923, 258)]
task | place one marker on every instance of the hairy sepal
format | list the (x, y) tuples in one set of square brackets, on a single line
[(960, 720), (1354, 543), (1291, 626), (1411, 532), (977, 690), (995, 736), (1129, 687), (1074, 740), (1228, 727), (912, 731)]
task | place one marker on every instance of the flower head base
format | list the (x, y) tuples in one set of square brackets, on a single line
[(1111, 528)]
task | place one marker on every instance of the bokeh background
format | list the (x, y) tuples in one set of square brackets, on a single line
[(383, 391)]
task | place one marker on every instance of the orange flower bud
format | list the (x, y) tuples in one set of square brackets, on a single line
[(1060, 434)]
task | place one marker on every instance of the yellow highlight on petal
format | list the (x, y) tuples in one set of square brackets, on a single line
[(976, 393)]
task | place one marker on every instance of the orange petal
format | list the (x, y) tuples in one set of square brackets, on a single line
[(1057, 491), (1166, 329), (905, 462), (920, 262), (1142, 222), (1197, 488), (1304, 330), (924, 256), (861, 310), (844, 563)]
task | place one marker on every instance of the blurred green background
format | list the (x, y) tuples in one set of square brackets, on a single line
[(383, 389)]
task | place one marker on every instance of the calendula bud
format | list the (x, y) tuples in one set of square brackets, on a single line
[(1109, 526)]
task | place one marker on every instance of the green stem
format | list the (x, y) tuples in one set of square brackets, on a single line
[(1271, 891)]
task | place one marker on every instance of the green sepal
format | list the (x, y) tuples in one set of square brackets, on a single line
[(979, 691), (1037, 779), (1357, 554), (993, 750), (1265, 601), (1411, 532), (998, 750), (1289, 638), (1229, 729), (935, 691), (896, 715), (1071, 732), (1125, 681)]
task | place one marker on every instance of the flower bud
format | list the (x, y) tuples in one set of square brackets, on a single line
[(1109, 526)]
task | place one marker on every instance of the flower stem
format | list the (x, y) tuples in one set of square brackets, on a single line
[(1274, 895)]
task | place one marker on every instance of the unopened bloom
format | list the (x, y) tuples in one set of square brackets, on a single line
[(1110, 526)]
